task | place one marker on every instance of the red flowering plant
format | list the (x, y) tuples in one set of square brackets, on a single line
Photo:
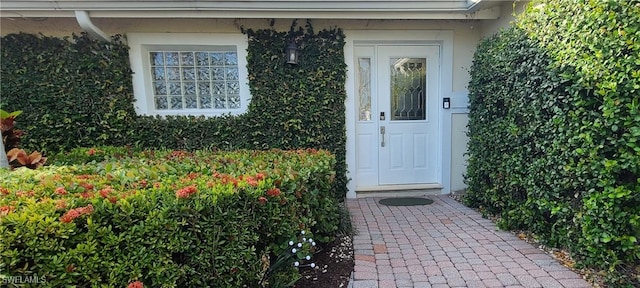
[(186, 191), (4, 210), (273, 192), (135, 284), (72, 214), (167, 204)]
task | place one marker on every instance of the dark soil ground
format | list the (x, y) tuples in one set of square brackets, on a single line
[(334, 264)]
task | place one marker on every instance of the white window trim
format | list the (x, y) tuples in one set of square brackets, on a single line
[(142, 83)]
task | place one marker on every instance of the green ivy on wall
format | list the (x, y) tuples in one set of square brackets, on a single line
[(298, 106), (78, 93), (74, 92), (554, 129)]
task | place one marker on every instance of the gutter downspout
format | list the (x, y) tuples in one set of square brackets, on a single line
[(85, 22), (473, 5)]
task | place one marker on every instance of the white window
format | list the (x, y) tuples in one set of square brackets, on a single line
[(189, 73)]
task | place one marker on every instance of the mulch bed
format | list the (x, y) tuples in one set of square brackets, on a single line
[(334, 265)]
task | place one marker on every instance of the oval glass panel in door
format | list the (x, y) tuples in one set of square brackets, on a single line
[(408, 86)]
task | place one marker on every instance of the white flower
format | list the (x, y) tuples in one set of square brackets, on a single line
[(290, 243), (304, 239), (296, 264), (313, 265), (294, 250), (302, 232), (310, 240), (299, 245), (313, 243), (308, 257)]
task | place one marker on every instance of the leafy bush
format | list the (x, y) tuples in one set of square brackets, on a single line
[(94, 154), (555, 129), (9, 135), (164, 218), (20, 158), (78, 93), (74, 92), (10, 142)]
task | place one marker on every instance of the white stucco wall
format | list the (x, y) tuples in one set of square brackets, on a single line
[(508, 10), (459, 142)]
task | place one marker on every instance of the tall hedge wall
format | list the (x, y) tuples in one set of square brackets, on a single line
[(78, 93), (555, 129), (74, 92)]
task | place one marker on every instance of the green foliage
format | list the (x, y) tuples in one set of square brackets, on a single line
[(9, 135), (73, 93), (97, 154), (289, 257), (165, 218), (5, 114), (555, 129), (304, 108), (79, 94)]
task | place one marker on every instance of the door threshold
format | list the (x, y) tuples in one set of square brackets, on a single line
[(399, 190), (399, 187)]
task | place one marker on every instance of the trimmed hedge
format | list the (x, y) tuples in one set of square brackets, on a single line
[(165, 218), (555, 129), (74, 93), (78, 93)]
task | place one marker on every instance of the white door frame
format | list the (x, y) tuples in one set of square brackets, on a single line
[(442, 37)]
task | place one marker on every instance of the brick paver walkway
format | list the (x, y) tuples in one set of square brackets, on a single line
[(445, 244)]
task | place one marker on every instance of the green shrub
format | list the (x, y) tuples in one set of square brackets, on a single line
[(75, 92), (97, 154), (165, 218), (599, 54), (555, 129)]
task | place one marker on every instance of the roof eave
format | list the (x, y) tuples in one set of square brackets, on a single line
[(376, 9), (491, 13)]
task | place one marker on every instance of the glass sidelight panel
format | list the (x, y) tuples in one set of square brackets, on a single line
[(408, 86), (364, 88)]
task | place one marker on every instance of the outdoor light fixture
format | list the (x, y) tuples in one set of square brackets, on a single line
[(293, 53)]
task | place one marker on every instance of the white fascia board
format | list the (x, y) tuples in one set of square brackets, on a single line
[(491, 13), (372, 9), (273, 5)]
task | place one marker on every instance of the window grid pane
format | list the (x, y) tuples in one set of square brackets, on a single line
[(195, 79)]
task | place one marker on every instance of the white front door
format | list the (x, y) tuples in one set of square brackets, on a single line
[(397, 127)]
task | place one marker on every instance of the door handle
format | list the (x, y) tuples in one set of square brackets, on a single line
[(382, 131)]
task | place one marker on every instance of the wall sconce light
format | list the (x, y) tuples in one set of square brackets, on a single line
[(293, 53)]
